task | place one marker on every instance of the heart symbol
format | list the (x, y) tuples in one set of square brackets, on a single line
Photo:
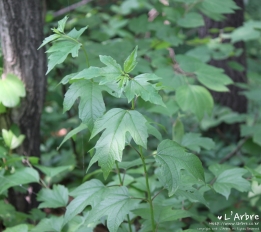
[(219, 217)]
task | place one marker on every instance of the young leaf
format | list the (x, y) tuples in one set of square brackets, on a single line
[(11, 89), (53, 198), (139, 86), (91, 104), (59, 52), (22, 176), (76, 34), (72, 133), (89, 193), (61, 24), (194, 98), (116, 206), (113, 70), (10, 139), (131, 62), (231, 178), (117, 123), (172, 158)]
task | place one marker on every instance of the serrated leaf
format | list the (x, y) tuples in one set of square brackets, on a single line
[(113, 70), (20, 177), (172, 158), (61, 24), (53, 198), (231, 178), (161, 213), (11, 89), (91, 104), (130, 62), (191, 20), (220, 7), (53, 171), (87, 74), (59, 52), (116, 206), (89, 193), (49, 39), (139, 86), (53, 224), (18, 228), (117, 123), (196, 99), (213, 78), (76, 34), (195, 142), (73, 132)]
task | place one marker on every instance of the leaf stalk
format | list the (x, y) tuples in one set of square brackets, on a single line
[(148, 190)]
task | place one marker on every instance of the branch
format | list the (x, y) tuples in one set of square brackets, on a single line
[(70, 8), (234, 152)]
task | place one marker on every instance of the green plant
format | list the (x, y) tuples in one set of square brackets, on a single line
[(177, 170), (148, 146)]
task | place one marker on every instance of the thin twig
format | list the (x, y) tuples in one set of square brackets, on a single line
[(234, 152), (70, 8), (157, 194)]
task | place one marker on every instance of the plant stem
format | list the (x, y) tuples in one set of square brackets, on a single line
[(121, 183), (132, 104), (118, 172), (86, 56), (148, 190)]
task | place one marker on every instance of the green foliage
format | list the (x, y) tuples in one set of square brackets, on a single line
[(11, 89), (171, 158), (117, 123), (149, 183), (57, 197)]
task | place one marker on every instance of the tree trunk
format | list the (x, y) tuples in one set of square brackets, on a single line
[(231, 99), (21, 28)]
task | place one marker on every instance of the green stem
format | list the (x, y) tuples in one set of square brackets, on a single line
[(148, 190), (118, 172), (86, 56), (133, 104), (121, 182)]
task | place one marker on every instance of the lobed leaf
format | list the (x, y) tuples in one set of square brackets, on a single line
[(172, 158), (53, 198), (139, 86), (91, 104), (116, 206), (117, 123)]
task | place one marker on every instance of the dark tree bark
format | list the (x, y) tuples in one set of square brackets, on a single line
[(21, 29), (231, 99)]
